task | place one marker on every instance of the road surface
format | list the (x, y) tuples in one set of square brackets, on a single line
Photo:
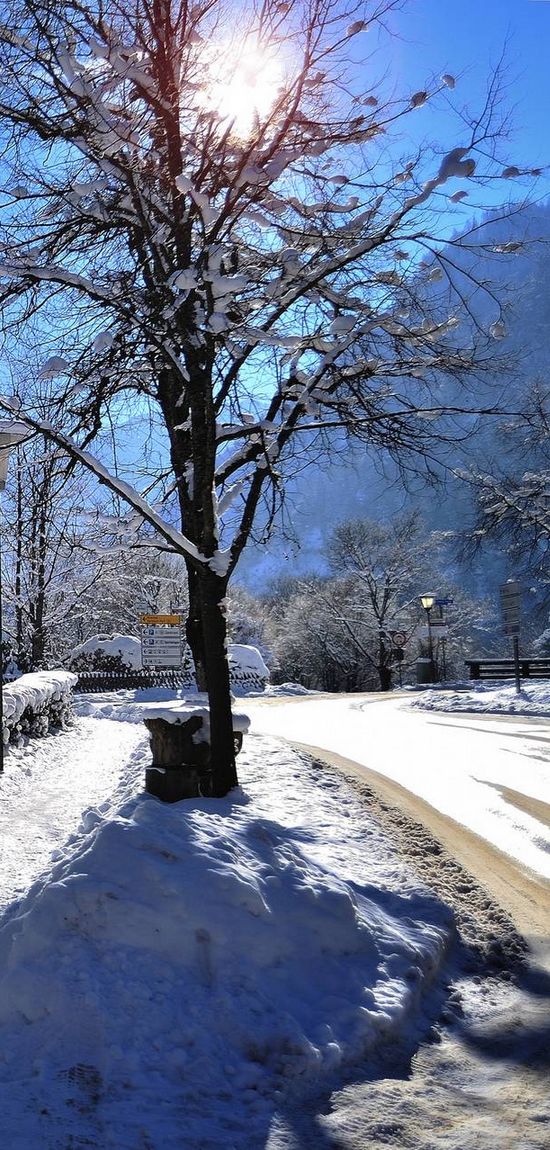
[(490, 774)]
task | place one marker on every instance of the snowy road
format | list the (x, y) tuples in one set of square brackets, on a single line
[(46, 787), (491, 775)]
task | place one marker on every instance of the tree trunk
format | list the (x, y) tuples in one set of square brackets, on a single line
[(206, 629), (193, 627), (212, 591), (384, 668), (19, 636)]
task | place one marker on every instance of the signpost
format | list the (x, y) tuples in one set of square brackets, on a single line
[(161, 641), (510, 605)]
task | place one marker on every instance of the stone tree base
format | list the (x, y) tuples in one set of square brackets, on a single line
[(181, 767)]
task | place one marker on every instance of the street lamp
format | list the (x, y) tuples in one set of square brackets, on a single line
[(11, 433), (427, 602)]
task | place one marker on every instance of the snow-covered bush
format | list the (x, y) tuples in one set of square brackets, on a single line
[(14, 663), (107, 653), (36, 703), (247, 669)]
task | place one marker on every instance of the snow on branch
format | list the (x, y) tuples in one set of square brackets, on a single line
[(175, 538)]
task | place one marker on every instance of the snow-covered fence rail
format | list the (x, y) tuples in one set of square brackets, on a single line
[(94, 681), (97, 681), (36, 703)]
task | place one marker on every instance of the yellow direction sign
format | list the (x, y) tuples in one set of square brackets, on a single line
[(153, 620)]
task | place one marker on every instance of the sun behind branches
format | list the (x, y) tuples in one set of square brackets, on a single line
[(244, 86)]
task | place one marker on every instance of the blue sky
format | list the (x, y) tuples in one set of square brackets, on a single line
[(466, 38)]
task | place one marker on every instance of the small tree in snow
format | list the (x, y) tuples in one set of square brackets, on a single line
[(203, 209), (513, 501), (388, 566)]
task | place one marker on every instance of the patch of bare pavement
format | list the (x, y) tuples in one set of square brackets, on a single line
[(478, 1080)]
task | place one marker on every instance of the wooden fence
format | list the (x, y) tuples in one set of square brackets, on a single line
[(504, 668)]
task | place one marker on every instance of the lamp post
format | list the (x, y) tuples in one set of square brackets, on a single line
[(11, 433), (427, 602)]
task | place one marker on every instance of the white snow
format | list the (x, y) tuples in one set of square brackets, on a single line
[(53, 366), (181, 968), (181, 710), (34, 691), (500, 698)]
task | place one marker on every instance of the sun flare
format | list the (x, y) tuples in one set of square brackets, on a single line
[(246, 87)]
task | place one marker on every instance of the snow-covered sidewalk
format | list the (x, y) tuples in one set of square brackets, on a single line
[(182, 968), (499, 698), (46, 786)]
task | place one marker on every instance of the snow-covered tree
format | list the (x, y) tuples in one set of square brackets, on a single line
[(41, 533), (64, 576), (310, 639), (207, 209), (247, 620), (341, 633), (128, 583), (513, 499), (389, 566)]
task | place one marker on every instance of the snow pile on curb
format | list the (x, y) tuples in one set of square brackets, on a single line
[(36, 702), (498, 698), (188, 963)]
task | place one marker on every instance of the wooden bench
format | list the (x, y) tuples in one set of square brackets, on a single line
[(504, 668)]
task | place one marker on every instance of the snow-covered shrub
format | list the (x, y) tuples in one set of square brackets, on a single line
[(247, 669), (107, 653), (36, 703), (14, 663), (542, 645)]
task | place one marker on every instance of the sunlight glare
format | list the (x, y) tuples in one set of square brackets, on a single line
[(247, 89)]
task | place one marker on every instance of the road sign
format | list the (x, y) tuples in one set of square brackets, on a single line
[(510, 605), (445, 602), (161, 643), (172, 620), (398, 638)]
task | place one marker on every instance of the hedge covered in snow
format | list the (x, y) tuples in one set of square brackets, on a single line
[(35, 703), (107, 653), (247, 669)]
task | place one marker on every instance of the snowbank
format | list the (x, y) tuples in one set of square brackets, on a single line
[(182, 965), (35, 702), (490, 698)]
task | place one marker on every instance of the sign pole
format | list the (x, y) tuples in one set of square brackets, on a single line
[(510, 604), (515, 641)]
